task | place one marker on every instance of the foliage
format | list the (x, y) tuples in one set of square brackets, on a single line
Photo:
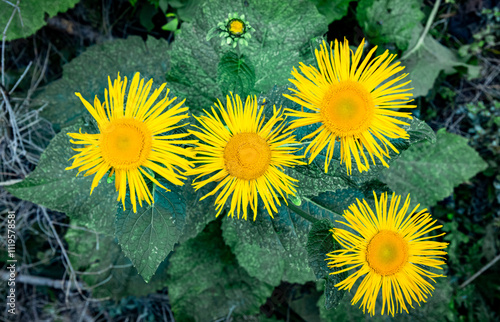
[(206, 282), (319, 243), (215, 268), (55, 188), (430, 172), (148, 236), (426, 62), (332, 10), (280, 27), (389, 21), (273, 249), (88, 74), (235, 74), (31, 15), (105, 269)]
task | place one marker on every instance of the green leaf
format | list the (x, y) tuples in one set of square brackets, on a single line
[(337, 200), (61, 190), (389, 21), (88, 74), (319, 243), (426, 62), (186, 9), (171, 25), (31, 15), (429, 172), (148, 236), (206, 283), (235, 74), (313, 180), (332, 9), (273, 250), (280, 27), (105, 269)]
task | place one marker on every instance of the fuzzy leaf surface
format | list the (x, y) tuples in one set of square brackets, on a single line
[(148, 236), (282, 34), (61, 190), (389, 21), (235, 74), (88, 74), (319, 243), (274, 249), (425, 63), (205, 281), (31, 15), (429, 172)]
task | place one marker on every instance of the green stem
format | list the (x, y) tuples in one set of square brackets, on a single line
[(239, 51), (426, 30), (301, 213)]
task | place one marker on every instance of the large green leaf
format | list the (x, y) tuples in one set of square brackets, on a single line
[(206, 283), (429, 172), (332, 9), (105, 269), (88, 75), (338, 200), (319, 243), (53, 187), (282, 32), (148, 236), (31, 15), (389, 21), (275, 249), (235, 74), (426, 62)]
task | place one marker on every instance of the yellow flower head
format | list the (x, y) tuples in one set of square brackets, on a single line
[(390, 251), (130, 141), (245, 156), (348, 98), (236, 27)]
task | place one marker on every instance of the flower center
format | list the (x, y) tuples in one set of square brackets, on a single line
[(347, 108), (387, 252), (247, 156), (236, 27), (126, 143)]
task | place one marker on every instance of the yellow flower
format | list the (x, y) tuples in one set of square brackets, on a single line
[(348, 98), (391, 252), (130, 141), (236, 27), (245, 156)]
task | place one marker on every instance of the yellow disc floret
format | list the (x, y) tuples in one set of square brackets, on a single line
[(387, 252), (247, 156), (236, 27), (126, 143)]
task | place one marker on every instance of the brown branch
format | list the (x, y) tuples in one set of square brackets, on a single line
[(41, 281)]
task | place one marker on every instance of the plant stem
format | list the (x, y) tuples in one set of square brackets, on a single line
[(481, 271), (426, 30), (301, 213)]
